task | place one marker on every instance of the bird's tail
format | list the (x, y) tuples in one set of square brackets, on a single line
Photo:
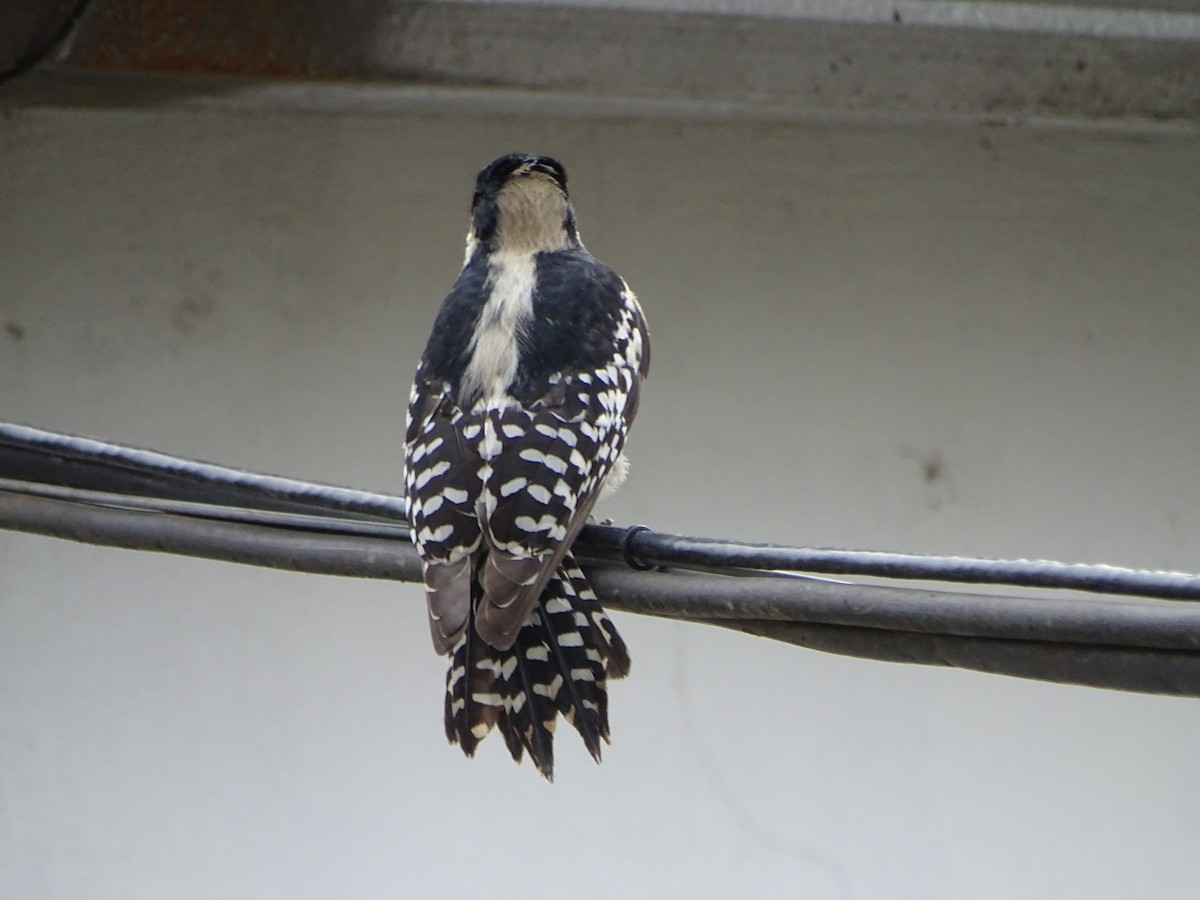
[(559, 663)]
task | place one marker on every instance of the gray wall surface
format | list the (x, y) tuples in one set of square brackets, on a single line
[(951, 340)]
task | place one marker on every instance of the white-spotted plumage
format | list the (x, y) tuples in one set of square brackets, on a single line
[(517, 423)]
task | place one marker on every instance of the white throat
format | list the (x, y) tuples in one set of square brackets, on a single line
[(532, 214)]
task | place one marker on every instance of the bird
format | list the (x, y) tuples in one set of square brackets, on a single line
[(516, 426)]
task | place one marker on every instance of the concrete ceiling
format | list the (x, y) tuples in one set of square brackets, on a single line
[(1103, 62)]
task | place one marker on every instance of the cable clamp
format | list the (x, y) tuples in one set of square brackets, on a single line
[(627, 549)]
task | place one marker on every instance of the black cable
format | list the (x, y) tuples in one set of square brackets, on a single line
[(676, 550), (1148, 645), (169, 524), (34, 455), (252, 544), (47, 457), (317, 522)]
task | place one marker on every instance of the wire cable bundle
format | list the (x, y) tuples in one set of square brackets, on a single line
[(1148, 641)]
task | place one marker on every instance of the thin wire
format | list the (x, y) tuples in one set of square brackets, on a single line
[(316, 522)]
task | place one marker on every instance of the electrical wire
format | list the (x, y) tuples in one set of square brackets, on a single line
[(675, 550), (45, 457), (104, 494), (325, 524)]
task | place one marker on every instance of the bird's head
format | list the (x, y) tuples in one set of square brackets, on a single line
[(521, 205)]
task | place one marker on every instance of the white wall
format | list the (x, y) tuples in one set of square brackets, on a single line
[(835, 311)]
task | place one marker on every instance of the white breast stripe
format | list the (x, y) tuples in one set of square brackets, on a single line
[(494, 346)]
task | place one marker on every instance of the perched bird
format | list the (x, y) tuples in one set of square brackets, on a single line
[(516, 423)]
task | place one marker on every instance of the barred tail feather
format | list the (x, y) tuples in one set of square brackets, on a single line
[(559, 663), (473, 703)]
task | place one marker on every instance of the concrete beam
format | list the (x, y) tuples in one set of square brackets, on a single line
[(814, 58)]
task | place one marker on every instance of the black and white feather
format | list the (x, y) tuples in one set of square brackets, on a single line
[(516, 425)]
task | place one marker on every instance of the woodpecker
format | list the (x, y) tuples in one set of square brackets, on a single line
[(516, 426)]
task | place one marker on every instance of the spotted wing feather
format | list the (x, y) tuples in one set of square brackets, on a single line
[(441, 486), (539, 496)]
